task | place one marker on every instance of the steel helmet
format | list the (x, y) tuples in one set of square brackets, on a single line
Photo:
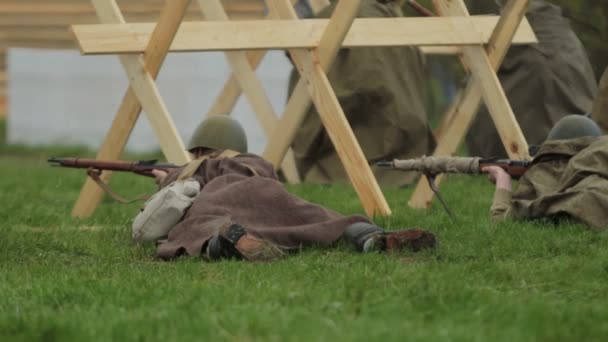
[(574, 126), (219, 132)]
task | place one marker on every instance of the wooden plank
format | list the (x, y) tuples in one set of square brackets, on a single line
[(496, 49), (289, 34), (300, 100), (498, 105), (64, 20), (142, 83), (3, 84), (67, 42), (484, 72), (43, 33), (39, 44), (130, 107), (29, 7), (45, 23), (312, 66), (225, 102), (2, 60), (250, 84), (231, 91), (441, 50), (344, 140), (461, 113)]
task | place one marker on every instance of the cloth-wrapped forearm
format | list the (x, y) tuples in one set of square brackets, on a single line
[(501, 205), (437, 165)]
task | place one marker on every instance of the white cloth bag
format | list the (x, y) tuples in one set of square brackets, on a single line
[(164, 210)]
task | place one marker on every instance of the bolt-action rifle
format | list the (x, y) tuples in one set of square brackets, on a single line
[(432, 166), (95, 168)]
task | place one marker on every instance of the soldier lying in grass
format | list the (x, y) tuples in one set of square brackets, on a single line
[(239, 209), (568, 178)]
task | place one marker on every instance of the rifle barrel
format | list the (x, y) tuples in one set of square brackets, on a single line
[(471, 165), (385, 164), (54, 161), (112, 165)]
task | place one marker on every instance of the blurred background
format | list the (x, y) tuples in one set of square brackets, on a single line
[(588, 18), (50, 94)]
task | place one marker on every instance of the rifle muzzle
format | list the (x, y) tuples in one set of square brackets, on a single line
[(54, 161), (385, 164)]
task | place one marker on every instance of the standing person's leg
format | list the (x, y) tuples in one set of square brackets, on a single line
[(600, 107)]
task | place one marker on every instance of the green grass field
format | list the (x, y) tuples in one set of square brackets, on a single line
[(65, 279)]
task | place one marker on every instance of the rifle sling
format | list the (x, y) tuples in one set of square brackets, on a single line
[(189, 170), (94, 174), (430, 178)]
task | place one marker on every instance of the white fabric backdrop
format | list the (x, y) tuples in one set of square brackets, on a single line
[(61, 97)]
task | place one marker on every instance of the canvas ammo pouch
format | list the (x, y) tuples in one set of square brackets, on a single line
[(164, 210), (167, 207)]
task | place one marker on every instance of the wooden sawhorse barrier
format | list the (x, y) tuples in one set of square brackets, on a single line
[(483, 63), (313, 45)]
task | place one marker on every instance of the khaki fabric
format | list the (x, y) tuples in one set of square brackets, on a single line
[(568, 179), (501, 205), (438, 165), (245, 190), (381, 91), (543, 82), (590, 22), (600, 107)]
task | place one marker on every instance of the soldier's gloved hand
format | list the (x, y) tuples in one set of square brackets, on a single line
[(498, 176), (159, 176)]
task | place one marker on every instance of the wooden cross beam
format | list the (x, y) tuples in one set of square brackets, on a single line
[(293, 34), (313, 45), (251, 86), (485, 84), (141, 93), (231, 90), (312, 65)]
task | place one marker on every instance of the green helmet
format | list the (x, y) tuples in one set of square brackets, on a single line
[(219, 132), (574, 126)]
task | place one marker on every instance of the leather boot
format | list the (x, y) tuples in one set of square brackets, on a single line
[(369, 238)]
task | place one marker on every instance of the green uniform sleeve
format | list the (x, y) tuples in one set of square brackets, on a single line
[(501, 206)]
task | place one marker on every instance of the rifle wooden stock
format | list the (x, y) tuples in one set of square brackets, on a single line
[(142, 167), (515, 168)]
